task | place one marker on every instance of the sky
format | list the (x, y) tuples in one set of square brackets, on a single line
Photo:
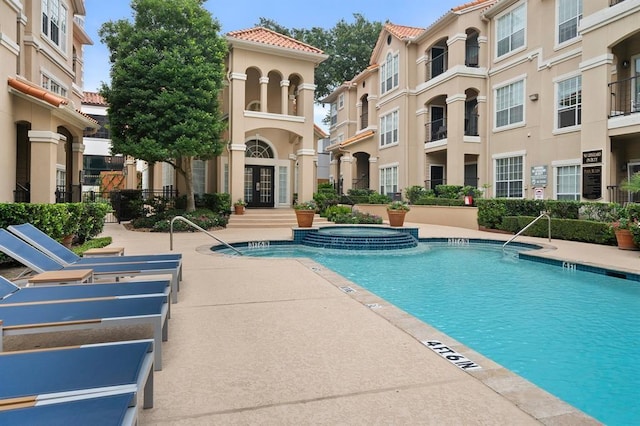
[(243, 14)]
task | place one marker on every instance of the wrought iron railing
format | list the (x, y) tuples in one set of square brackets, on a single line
[(620, 196), (435, 130), (471, 125), (625, 97), (364, 120), (437, 66), (614, 2), (362, 183), (472, 55)]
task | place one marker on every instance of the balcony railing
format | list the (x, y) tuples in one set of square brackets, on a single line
[(625, 97), (436, 130), (437, 66), (614, 2), (617, 195), (364, 120), (471, 125), (472, 55)]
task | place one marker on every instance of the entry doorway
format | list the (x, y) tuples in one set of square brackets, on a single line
[(259, 186), (436, 176)]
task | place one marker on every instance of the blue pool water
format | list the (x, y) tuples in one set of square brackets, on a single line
[(575, 334)]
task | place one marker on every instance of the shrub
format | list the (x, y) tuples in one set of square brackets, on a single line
[(413, 193), (326, 196), (376, 198), (563, 229), (333, 211)]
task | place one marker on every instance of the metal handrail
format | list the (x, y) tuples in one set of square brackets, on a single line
[(542, 214), (188, 222)]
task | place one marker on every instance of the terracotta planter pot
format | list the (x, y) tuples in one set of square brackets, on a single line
[(624, 237), (67, 240), (305, 218), (238, 209), (396, 217)]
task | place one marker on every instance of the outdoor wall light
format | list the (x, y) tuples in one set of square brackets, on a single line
[(533, 97)]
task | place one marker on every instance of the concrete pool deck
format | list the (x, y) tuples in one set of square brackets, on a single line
[(276, 341)]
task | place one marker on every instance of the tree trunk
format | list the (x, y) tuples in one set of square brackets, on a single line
[(187, 168)]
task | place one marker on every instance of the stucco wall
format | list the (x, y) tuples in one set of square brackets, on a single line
[(461, 217)]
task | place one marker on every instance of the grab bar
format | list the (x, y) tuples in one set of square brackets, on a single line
[(542, 214), (188, 222)]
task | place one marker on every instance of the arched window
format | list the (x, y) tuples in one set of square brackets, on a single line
[(258, 149)]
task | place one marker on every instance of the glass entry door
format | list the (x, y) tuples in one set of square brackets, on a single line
[(259, 186)]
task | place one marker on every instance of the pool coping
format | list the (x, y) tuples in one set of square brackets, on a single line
[(531, 399)]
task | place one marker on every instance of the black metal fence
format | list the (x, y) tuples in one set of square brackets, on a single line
[(624, 97)]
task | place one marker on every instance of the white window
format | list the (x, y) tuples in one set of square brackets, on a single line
[(53, 86), (569, 104), (389, 180), (198, 169), (569, 16), (568, 182), (341, 101), (168, 174), (334, 114), (389, 73), (61, 177), (283, 179), (509, 177), (225, 178), (511, 29), (54, 22), (510, 104), (389, 129)]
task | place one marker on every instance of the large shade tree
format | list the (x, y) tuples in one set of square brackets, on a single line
[(167, 70)]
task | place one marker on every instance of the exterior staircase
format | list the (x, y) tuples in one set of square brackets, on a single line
[(269, 218)]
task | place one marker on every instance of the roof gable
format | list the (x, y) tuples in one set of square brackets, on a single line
[(268, 37), (401, 32)]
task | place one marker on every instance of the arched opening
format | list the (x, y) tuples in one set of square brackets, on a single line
[(274, 93), (259, 178), (471, 113), (362, 176), (436, 122), (472, 49), (252, 90), (438, 61), (23, 164), (364, 114), (295, 108)]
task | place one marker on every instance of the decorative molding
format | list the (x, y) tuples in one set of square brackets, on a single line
[(284, 83), (456, 37), (237, 147), (306, 152), (460, 97), (9, 44), (307, 86), (606, 59), (15, 5), (45, 136), (264, 80), (238, 76)]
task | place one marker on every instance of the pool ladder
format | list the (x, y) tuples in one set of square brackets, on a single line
[(542, 214), (188, 222)]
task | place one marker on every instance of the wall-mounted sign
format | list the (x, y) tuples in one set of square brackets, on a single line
[(538, 193), (538, 176), (592, 182), (592, 157)]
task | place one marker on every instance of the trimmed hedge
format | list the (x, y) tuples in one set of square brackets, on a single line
[(84, 220), (586, 231)]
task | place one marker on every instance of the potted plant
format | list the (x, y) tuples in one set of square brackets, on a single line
[(622, 229), (396, 211), (238, 206), (305, 213)]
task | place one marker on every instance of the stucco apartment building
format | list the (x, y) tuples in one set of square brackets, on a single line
[(268, 101), (42, 128), (523, 98)]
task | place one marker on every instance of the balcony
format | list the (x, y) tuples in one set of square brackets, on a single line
[(436, 66), (614, 2), (471, 125), (436, 130), (625, 97), (471, 55)]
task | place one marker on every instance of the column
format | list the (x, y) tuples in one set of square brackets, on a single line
[(374, 174), (236, 171), (264, 93), (131, 175), (44, 149), (76, 175), (284, 94), (346, 171)]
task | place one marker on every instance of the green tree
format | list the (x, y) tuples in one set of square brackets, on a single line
[(349, 46), (167, 71)]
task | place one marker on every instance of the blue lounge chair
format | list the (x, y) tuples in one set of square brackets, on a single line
[(39, 262), (100, 409), (66, 257), (65, 385), (87, 314), (12, 294)]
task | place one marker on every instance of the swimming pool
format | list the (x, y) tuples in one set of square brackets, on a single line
[(575, 334)]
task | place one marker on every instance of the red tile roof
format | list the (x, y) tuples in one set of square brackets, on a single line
[(37, 92), (403, 32), (93, 98), (472, 4), (266, 36)]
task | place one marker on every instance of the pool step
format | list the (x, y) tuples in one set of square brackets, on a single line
[(269, 218), (392, 241)]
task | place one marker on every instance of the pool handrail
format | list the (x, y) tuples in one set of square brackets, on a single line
[(542, 214), (188, 222)]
